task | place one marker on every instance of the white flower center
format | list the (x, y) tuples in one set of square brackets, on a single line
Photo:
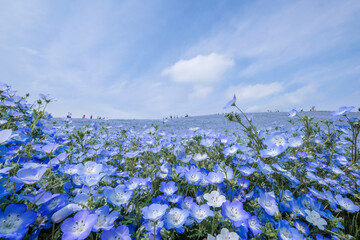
[(79, 227), (10, 223)]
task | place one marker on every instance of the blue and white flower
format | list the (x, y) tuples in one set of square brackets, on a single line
[(14, 221)]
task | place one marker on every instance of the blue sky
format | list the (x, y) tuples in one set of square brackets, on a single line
[(151, 59)]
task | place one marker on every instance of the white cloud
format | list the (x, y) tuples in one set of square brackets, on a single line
[(257, 91), (200, 69)]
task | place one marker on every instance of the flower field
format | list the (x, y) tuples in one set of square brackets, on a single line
[(98, 182)]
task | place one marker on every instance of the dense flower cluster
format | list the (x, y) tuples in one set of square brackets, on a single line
[(98, 181)]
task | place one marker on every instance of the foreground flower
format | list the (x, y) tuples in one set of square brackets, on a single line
[(5, 135), (272, 151), (154, 212), (225, 234), (118, 196), (254, 225), (121, 233), (105, 219), (214, 199), (268, 202), (314, 218), (193, 176), (234, 211), (29, 175), (347, 204), (342, 111), (302, 227), (168, 188), (292, 113), (79, 227), (176, 218), (14, 220), (199, 213), (286, 232), (295, 141), (215, 177), (230, 103)]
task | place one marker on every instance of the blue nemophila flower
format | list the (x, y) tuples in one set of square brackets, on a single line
[(165, 170), (159, 199), (193, 176), (29, 175), (91, 180), (224, 138), (297, 208), (47, 97), (89, 168), (154, 212), (65, 212), (215, 177), (315, 219), (225, 234), (272, 151), (302, 227), (342, 111), (247, 170), (295, 141), (292, 113), (200, 157), (168, 188), (199, 213), (121, 233), (243, 183), (118, 196), (4, 192), (254, 225), (14, 221), (316, 193), (347, 204), (276, 139), (105, 219), (5, 135), (287, 196), (230, 103), (174, 198), (50, 148), (226, 170), (214, 199), (265, 168), (40, 197), (5, 170), (78, 227), (286, 232), (230, 151), (55, 203), (132, 183), (176, 218), (310, 202), (234, 212), (268, 202), (207, 142), (186, 203)]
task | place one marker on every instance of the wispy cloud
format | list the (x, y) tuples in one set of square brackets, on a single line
[(200, 92), (257, 91)]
